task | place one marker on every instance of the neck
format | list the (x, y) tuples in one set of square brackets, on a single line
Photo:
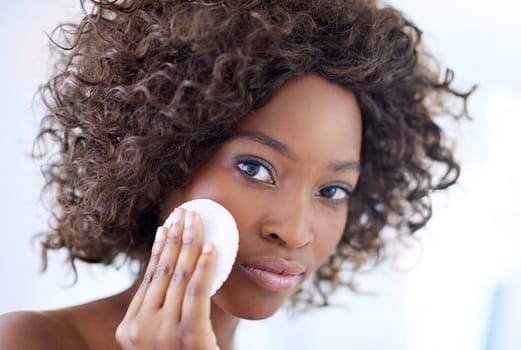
[(224, 326)]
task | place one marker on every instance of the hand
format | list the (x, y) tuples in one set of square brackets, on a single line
[(171, 309)]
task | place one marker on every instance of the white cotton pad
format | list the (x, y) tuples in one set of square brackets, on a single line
[(220, 228)]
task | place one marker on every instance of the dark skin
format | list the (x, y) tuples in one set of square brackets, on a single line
[(285, 175)]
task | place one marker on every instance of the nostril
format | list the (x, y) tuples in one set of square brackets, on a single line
[(286, 240), (274, 237)]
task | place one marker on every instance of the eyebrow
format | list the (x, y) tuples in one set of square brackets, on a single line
[(285, 151), (339, 166), (266, 140)]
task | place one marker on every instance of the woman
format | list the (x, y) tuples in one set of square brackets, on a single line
[(312, 122)]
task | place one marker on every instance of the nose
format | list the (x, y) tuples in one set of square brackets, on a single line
[(289, 223)]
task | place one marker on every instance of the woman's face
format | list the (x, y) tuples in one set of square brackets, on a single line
[(285, 175)]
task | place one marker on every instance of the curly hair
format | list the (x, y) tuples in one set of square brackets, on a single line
[(146, 90)]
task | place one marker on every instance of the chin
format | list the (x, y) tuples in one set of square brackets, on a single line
[(256, 315), (250, 303), (247, 307)]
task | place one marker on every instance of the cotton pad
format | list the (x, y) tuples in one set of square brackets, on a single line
[(220, 228)]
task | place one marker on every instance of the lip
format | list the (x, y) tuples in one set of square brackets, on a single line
[(273, 273)]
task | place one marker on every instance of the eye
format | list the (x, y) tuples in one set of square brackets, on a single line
[(256, 169), (335, 192)]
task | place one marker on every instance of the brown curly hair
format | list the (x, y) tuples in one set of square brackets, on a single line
[(146, 90)]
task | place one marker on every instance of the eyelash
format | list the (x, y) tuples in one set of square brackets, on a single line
[(347, 191), (242, 163), (261, 165)]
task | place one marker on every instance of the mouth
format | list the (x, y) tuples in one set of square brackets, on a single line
[(273, 273)]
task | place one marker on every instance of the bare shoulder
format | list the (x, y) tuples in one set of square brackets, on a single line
[(81, 327), (28, 330)]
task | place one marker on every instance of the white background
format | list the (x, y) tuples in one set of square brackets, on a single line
[(458, 288)]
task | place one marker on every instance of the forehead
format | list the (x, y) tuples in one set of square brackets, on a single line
[(312, 116)]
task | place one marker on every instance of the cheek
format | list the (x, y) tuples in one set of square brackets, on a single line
[(328, 237), (225, 190)]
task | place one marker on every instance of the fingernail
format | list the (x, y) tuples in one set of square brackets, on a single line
[(176, 216), (189, 219), (187, 234), (159, 234), (207, 247)]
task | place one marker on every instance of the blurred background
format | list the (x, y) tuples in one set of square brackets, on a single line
[(458, 287)]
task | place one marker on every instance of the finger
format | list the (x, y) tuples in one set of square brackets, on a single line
[(158, 286), (190, 251), (196, 304), (157, 248)]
